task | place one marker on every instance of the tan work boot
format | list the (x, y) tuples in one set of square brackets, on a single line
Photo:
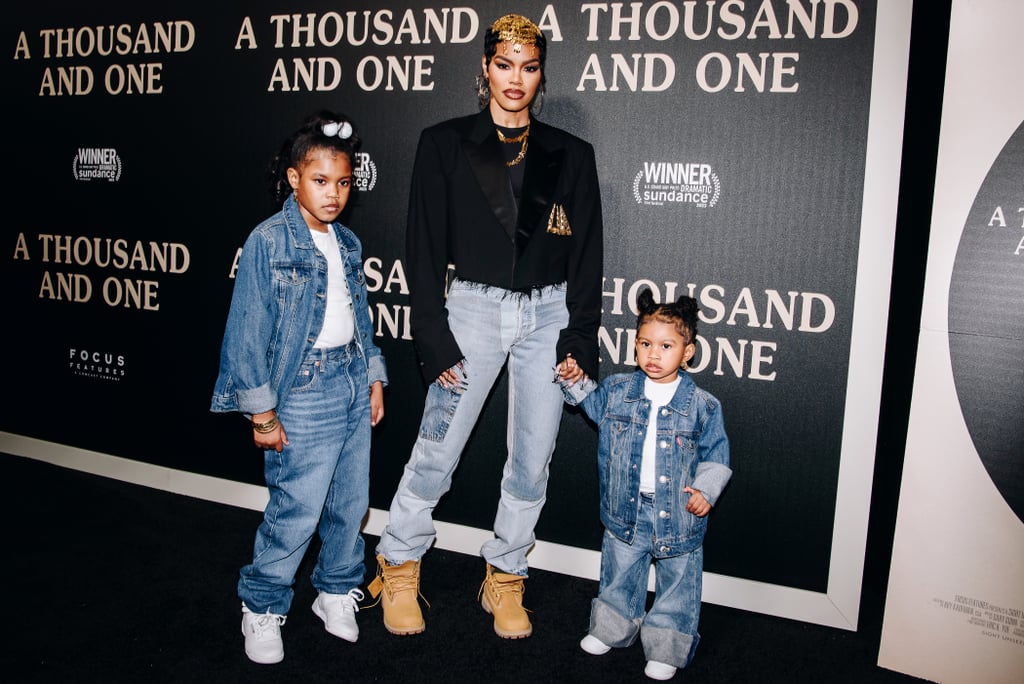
[(501, 595), (399, 589)]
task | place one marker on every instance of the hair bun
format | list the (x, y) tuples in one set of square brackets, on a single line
[(687, 304), (645, 301)]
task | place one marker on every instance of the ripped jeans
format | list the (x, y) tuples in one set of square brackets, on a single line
[(492, 326)]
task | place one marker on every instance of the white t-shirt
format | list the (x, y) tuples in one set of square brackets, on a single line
[(339, 320), (660, 394)]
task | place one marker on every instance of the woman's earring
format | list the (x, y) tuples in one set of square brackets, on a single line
[(483, 90), (538, 101)]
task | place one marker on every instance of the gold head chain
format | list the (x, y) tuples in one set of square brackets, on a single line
[(517, 30)]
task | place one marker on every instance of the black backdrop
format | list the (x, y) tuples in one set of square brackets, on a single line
[(771, 109)]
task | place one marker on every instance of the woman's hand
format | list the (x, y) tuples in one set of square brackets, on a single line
[(452, 378), (570, 371)]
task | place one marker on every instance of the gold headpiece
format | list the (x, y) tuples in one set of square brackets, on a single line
[(516, 29)]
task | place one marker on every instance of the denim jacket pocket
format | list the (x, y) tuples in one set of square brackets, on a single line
[(694, 529), (356, 272), (291, 283), (291, 272)]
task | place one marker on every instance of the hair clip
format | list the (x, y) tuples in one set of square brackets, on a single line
[(343, 130)]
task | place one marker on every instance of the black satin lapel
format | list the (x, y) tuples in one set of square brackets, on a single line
[(542, 170), (490, 171)]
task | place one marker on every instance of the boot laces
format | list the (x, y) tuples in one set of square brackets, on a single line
[(399, 583), (392, 584), (500, 587)]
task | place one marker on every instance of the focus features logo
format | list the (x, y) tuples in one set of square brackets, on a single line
[(90, 363), (96, 162), (692, 184), (365, 173)]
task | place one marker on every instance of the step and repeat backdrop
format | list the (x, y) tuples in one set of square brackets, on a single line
[(748, 155), (955, 604)]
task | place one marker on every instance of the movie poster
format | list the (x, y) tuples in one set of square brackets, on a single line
[(955, 603)]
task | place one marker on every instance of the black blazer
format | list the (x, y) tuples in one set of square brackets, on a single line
[(462, 211)]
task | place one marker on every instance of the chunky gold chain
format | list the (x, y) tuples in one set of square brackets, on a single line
[(521, 138)]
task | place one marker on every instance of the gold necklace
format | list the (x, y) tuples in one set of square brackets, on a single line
[(523, 138), (518, 138)]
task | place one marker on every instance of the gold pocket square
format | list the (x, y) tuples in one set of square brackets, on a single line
[(558, 222)]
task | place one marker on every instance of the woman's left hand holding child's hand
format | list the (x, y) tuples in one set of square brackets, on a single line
[(570, 371)]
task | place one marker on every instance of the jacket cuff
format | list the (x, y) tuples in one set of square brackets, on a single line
[(711, 479), (377, 369), (256, 400), (575, 394), (583, 349), (437, 351)]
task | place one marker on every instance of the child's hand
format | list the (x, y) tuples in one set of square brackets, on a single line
[(697, 504), (570, 371), (376, 403), (276, 439)]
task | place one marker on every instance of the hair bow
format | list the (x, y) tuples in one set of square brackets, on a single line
[(343, 130)]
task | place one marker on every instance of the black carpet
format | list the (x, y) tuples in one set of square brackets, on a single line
[(114, 582)]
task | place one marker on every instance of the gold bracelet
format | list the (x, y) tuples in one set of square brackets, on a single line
[(264, 428)]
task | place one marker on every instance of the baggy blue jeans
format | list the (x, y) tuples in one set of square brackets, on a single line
[(668, 631), (492, 326), (318, 483)]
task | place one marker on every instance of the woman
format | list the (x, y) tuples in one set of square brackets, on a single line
[(515, 205)]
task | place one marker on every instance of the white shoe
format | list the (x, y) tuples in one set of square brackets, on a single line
[(338, 611), (263, 636), (594, 646), (662, 671)]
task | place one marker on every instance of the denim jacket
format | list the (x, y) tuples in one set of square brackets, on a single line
[(277, 310), (692, 449)]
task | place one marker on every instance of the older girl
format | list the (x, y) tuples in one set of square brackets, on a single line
[(298, 359)]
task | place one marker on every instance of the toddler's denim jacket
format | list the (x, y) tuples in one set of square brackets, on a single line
[(692, 449)]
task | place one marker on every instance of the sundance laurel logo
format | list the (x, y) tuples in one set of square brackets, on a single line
[(693, 184), (91, 363), (365, 172), (96, 162)]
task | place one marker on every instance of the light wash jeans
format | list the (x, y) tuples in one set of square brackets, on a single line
[(318, 483), (668, 631), (492, 326)]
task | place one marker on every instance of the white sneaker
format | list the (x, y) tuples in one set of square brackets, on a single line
[(263, 636), (338, 611), (594, 646), (662, 671)]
